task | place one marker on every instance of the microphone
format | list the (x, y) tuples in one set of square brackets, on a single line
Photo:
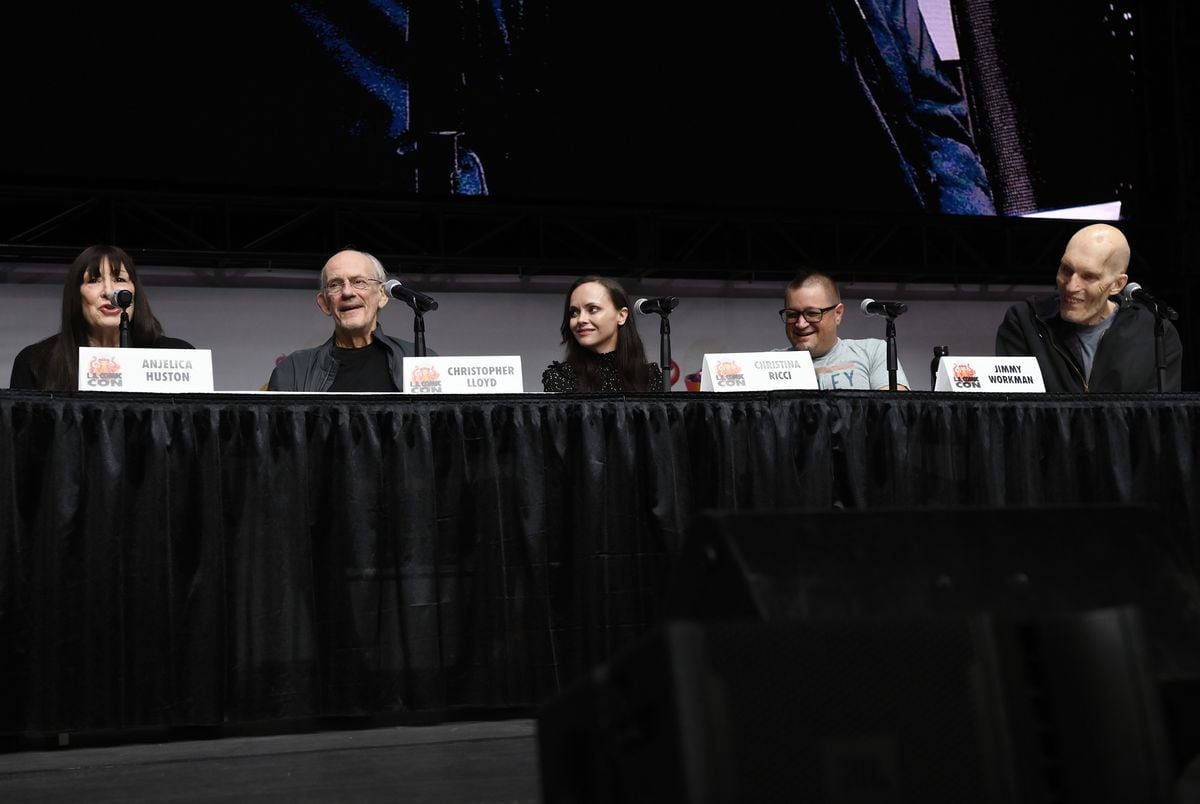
[(883, 308), (121, 298), (1133, 292), (661, 305), (413, 298)]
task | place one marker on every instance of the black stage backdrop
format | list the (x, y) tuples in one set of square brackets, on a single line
[(233, 558)]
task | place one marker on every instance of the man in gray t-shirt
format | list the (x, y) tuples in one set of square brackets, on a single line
[(812, 311)]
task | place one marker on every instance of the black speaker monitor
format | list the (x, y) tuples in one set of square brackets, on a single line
[(1020, 562), (971, 708)]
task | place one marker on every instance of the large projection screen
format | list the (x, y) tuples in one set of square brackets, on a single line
[(975, 107)]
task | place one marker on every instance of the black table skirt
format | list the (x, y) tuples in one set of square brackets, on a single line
[(226, 558)]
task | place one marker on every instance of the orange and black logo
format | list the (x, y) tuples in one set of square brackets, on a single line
[(965, 376), (729, 374), (104, 372), (425, 380)]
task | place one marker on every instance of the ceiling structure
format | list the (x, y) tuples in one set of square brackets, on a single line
[(231, 233)]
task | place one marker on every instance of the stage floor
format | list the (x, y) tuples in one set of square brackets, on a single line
[(462, 762)]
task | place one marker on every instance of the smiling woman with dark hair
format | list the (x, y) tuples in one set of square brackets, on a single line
[(89, 318), (604, 351)]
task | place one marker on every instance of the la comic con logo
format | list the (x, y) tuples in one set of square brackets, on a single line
[(729, 374), (965, 376), (425, 380), (103, 371)]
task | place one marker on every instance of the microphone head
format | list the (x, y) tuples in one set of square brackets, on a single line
[(662, 306), (884, 309), (1130, 289), (413, 298), (121, 298)]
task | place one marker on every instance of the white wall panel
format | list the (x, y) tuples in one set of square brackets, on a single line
[(249, 328)]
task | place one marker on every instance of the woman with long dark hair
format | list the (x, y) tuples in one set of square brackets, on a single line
[(604, 351), (90, 318)]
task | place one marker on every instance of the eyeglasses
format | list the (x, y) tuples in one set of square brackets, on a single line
[(812, 315), (335, 286)]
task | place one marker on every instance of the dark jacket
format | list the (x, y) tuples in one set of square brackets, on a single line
[(1125, 358), (29, 368), (315, 369)]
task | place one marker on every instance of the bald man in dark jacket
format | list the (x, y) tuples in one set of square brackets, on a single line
[(1087, 339)]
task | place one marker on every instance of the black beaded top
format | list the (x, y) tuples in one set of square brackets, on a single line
[(560, 377)]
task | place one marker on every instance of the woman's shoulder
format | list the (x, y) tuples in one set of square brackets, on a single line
[(36, 352), (37, 348), (558, 376), (165, 342), (654, 377), (29, 364)]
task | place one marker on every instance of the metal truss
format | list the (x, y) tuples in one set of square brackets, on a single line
[(232, 232)]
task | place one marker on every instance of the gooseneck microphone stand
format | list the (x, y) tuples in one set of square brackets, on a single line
[(893, 364), (663, 307), (122, 299), (890, 311), (419, 331), (420, 304), (664, 358), (1162, 314)]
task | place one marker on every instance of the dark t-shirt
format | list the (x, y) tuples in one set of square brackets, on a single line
[(364, 369)]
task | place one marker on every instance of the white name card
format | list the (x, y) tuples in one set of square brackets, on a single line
[(463, 375), (758, 371), (168, 371), (1008, 375)]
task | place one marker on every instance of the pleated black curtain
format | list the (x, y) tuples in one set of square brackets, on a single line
[(219, 559)]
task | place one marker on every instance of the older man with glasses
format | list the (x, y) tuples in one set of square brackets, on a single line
[(811, 315), (359, 356)]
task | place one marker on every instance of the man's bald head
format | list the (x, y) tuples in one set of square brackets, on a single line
[(369, 263), (352, 294), (1104, 244), (1092, 270)]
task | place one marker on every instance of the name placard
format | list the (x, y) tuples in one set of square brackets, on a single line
[(758, 371), (1008, 375), (463, 375), (168, 371)]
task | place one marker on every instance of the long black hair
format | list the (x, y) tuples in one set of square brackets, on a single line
[(61, 362), (630, 355)]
